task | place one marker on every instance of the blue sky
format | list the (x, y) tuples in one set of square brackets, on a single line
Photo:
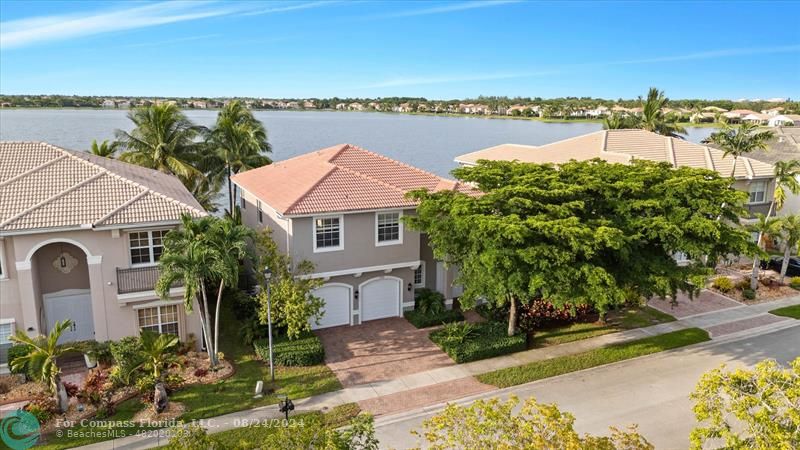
[(433, 49)]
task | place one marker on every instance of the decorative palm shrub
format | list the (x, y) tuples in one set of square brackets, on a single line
[(429, 301), (40, 361), (158, 351)]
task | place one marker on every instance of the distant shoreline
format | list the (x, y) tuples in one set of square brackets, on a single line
[(453, 115)]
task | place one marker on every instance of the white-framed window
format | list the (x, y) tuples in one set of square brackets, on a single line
[(161, 319), (146, 247), (758, 191), (260, 212), (328, 233), (3, 273), (6, 331), (388, 228), (419, 275)]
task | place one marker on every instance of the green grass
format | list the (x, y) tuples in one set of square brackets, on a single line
[(626, 319), (230, 395), (789, 311), (565, 364)]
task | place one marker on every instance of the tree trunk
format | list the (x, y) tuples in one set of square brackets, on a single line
[(787, 252), (512, 316), (230, 191), (216, 315), (212, 352), (754, 275)]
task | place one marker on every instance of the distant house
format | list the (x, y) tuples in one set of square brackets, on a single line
[(773, 111), (701, 117), (782, 120), (109, 104), (198, 104), (403, 108), (599, 111), (519, 108), (124, 104), (341, 106), (422, 107), (308, 104), (758, 119), (293, 105), (714, 109), (736, 115), (355, 106)]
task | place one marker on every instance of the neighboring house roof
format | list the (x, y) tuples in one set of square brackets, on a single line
[(43, 186), (622, 146), (341, 178)]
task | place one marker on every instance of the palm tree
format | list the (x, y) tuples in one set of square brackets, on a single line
[(653, 119), (230, 238), (157, 350), (41, 360), (239, 142), (763, 226), (107, 149), (618, 122), (786, 178), (790, 235), (738, 141), (163, 139), (189, 257)]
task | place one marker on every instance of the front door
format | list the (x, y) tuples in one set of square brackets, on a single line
[(73, 304)]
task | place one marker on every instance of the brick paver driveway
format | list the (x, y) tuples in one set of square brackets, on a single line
[(707, 301), (379, 350)]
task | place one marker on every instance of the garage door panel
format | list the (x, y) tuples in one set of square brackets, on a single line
[(380, 299), (337, 306)]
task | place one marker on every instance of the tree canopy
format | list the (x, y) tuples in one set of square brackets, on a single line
[(584, 233)]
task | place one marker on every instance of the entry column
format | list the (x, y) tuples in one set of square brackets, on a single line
[(28, 298), (97, 289)]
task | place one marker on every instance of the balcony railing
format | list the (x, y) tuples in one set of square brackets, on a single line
[(138, 279)]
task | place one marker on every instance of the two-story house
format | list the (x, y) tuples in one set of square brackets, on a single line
[(341, 208), (80, 236), (755, 177)]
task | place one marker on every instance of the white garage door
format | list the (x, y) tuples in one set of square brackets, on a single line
[(380, 298), (337, 306)]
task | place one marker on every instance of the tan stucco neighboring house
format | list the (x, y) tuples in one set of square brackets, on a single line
[(80, 236), (341, 208), (622, 146)]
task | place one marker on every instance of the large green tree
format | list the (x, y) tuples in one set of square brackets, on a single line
[(239, 142), (739, 141), (582, 233), (163, 139)]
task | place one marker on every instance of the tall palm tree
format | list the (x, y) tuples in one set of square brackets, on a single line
[(786, 178), (239, 142), (163, 139), (230, 239), (739, 141), (189, 257), (41, 360), (107, 149), (618, 122), (653, 119), (763, 226), (790, 235)]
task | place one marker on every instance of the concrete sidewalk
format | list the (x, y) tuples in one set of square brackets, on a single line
[(740, 320)]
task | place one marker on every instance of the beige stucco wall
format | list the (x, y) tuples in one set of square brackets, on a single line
[(360, 249), (271, 220), (31, 275)]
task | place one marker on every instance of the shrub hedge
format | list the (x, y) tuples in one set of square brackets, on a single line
[(424, 320), (488, 339), (306, 350)]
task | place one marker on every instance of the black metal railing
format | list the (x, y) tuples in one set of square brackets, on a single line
[(138, 279)]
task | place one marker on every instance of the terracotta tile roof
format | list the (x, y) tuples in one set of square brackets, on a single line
[(622, 146), (339, 179), (43, 186)]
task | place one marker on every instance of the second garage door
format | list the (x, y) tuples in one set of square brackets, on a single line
[(337, 305), (380, 298)]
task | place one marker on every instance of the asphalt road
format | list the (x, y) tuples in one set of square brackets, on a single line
[(652, 392)]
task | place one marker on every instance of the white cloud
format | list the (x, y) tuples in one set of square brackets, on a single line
[(291, 7), (35, 30), (452, 7)]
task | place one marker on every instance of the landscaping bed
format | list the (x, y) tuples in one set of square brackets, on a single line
[(465, 342), (770, 288), (425, 320), (617, 352), (306, 350)]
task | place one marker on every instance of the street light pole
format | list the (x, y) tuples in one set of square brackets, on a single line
[(267, 277)]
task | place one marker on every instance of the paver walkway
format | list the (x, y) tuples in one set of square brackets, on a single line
[(412, 390), (707, 301)]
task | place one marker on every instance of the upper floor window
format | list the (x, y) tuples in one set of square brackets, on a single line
[(758, 191), (161, 319), (388, 228), (260, 213), (328, 233), (146, 246)]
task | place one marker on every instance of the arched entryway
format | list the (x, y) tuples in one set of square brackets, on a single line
[(61, 281)]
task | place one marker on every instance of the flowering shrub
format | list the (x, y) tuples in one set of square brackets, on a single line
[(540, 313), (95, 387)]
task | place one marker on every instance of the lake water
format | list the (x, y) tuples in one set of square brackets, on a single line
[(428, 142)]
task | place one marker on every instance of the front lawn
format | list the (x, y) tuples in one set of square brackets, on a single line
[(226, 396), (789, 311), (618, 352)]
